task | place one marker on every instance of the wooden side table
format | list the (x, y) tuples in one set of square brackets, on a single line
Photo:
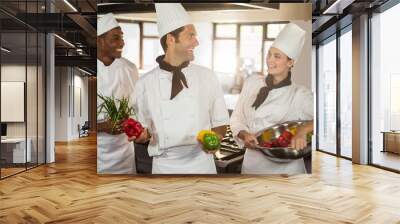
[(391, 141)]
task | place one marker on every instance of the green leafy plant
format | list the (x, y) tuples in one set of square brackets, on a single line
[(116, 110)]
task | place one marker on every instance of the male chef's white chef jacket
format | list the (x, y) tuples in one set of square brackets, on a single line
[(115, 154), (175, 123), (289, 103)]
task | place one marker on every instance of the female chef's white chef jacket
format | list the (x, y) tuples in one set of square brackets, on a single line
[(115, 154), (293, 102), (175, 123)]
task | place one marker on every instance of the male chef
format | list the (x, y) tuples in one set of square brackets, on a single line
[(116, 76), (177, 99)]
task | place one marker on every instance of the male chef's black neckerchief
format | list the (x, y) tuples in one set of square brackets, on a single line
[(264, 91), (178, 78)]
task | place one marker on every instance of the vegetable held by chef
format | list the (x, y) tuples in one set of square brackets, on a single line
[(178, 99), (271, 99)]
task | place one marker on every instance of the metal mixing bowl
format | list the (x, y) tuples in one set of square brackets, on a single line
[(282, 154)]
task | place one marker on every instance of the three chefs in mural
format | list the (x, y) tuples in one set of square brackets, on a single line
[(177, 99)]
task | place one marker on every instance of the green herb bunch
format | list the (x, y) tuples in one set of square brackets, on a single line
[(116, 110)]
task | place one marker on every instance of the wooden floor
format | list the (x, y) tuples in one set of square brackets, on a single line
[(10, 171), (70, 191), (5, 172)]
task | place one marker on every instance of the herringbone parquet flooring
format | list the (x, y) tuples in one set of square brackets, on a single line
[(70, 191)]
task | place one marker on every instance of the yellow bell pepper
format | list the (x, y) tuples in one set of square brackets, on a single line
[(293, 130), (266, 136)]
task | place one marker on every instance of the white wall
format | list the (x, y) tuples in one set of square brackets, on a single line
[(302, 72), (12, 73), (203, 52), (68, 82), (33, 127), (61, 103), (132, 40)]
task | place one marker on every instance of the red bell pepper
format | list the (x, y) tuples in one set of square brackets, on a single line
[(132, 127)]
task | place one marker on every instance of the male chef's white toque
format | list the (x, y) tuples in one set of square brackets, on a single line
[(170, 16), (106, 23)]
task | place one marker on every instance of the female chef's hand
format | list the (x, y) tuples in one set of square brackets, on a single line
[(143, 137), (299, 140), (250, 141)]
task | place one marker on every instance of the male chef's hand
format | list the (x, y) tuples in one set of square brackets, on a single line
[(250, 140), (106, 126), (203, 147), (209, 151), (206, 150), (143, 137)]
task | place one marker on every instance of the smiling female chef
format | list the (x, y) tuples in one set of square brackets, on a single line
[(266, 101)]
